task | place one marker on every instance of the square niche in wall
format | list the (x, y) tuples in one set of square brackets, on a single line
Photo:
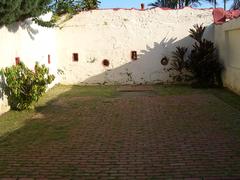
[(17, 60), (75, 57), (134, 55)]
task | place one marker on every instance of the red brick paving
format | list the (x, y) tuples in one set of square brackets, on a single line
[(172, 137)]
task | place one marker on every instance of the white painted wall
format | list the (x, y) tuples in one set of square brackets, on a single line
[(29, 42), (104, 34), (227, 39), (112, 35)]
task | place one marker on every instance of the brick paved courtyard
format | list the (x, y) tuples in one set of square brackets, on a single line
[(139, 135)]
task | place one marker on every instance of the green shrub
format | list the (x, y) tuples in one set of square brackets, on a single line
[(24, 86), (202, 66), (203, 61)]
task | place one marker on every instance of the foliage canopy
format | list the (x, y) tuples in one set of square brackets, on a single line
[(18, 10)]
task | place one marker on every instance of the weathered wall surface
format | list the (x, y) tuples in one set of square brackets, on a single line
[(29, 42), (108, 34), (227, 39), (103, 34)]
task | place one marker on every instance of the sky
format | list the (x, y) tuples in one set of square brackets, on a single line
[(136, 3)]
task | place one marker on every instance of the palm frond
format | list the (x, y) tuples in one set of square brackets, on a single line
[(192, 2), (235, 5), (165, 4), (197, 32)]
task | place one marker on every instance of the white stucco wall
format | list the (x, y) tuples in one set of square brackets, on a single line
[(29, 42), (104, 34), (108, 34), (227, 39)]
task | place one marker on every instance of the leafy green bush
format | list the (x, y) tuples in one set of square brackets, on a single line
[(24, 86)]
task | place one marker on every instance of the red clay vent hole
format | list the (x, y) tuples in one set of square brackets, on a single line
[(105, 62), (134, 55), (75, 57), (49, 59), (17, 60)]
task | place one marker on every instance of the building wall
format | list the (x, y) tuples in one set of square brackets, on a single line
[(113, 34), (227, 39)]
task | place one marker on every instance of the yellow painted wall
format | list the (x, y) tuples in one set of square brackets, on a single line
[(227, 39), (233, 43)]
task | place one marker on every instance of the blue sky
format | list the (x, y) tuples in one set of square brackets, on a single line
[(136, 3)]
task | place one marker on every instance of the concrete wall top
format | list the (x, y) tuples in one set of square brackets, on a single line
[(230, 25), (174, 15)]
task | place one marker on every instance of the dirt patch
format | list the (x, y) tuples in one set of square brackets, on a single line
[(62, 102), (132, 88), (38, 116), (136, 93), (133, 91)]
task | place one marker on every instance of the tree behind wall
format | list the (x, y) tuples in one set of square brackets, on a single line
[(60, 7), (90, 4), (18, 10), (236, 5), (174, 3), (165, 4)]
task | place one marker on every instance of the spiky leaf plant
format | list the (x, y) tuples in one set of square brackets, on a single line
[(197, 32), (178, 64), (203, 61)]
